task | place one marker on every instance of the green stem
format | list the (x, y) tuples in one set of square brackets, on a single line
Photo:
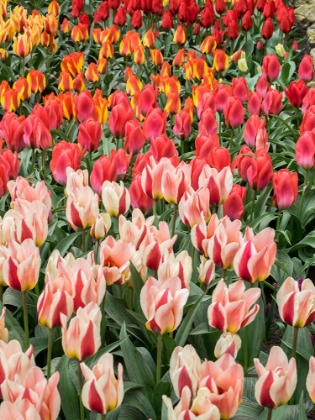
[(33, 160), (182, 144), (103, 323), (223, 273), (103, 416), (252, 211), (246, 349), (303, 193), (25, 316), (269, 413), (1, 294), (159, 358), (278, 221), (294, 343), (49, 352), (82, 415), (97, 252), (83, 241), (174, 219)]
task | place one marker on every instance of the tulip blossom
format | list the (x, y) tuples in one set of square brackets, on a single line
[(163, 304), (206, 271), (224, 378), (115, 259), (271, 67), (82, 207), (305, 150), (277, 381), (233, 207), (306, 68), (21, 268), (185, 367), (227, 343), (201, 407), (285, 188), (102, 392), (310, 380), (193, 204), (81, 338), (101, 226), (296, 302), (255, 258), (20, 410), (232, 307), (179, 266), (64, 154), (116, 198)]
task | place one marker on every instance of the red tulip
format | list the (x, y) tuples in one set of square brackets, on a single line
[(234, 112), (138, 198), (305, 150), (285, 188), (118, 118), (267, 29), (208, 124), (154, 124), (167, 20), (240, 89), (306, 68), (90, 133), (84, 105), (36, 133), (296, 93), (234, 204), (271, 67), (262, 86), (64, 154), (103, 170), (254, 103), (272, 103), (12, 131)]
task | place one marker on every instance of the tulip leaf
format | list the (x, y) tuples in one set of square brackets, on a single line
[(185, 326), (308, 240), (163, 388), (136, 399), (135, 365), (65, 244), (127, 412), (248, 410), (262, 200), (137, 286), (287, 71), (16, 332), (282, 268), (70, 400), (203, 328), (90, 362)]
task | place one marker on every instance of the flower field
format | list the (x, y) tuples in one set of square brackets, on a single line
[(157, 206)]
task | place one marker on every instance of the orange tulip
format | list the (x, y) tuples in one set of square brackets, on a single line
[(22, 45), (180, 35), (221, 60)]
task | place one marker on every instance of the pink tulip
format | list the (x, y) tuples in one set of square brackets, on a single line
[(206, 271), (82, 207), (115, 259), (81, 339), (134, 230), (21, 410), (310, 380), (225, 243), (51, 303), (255, 258), (202, 233), (232, 306), (201, 407), (185, 367), (296, 302), (21, 268), (116, 198), (101, 226), (163, 304), (174, 183), (224, 379), (193, 204), (102, 392), (179, 266), (227, 343), (277, 381), (219, 183), (42, 393)]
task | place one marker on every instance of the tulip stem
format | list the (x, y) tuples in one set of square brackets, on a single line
[(103, 416), (1, 294), (25, 316), (83, 241), (252, 211), (269, 413), (103, 323), (33, 160), (82, 415), (159, 358), (294, 343), (174, 219), (49, 351)]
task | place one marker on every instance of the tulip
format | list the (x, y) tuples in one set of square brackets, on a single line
[(90, 133), (233, 207), (277, 381), (65, 82), (201, 407), (310, 379), (84, 105), (185, 369), (272, 103), (115, 259), (116, 198), (208, 124), (104, 169), (173, 185), (224, 379), (138, 198), (221, 61), (306, 68), (101, 226), (51, 303), (271, 67), (81, 339), (296, 93), (12, 131), (154, 124), (255, 258), (305, 150), (21, 268), (233, 112), (296, 302), (102, 392), (285, 188), (22, 45), (64, 154), (180, 35), (36, 134), (82, 207), (240, 89), (167, 20), (232, 307), (156, 57), (192, 204), (227, 343), (179, 266), (163, 304), (267, 29), (118, 119)]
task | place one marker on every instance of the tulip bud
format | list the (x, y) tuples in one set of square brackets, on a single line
[(101, 226)]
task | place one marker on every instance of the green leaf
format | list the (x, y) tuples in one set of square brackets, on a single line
[(108, 349), (283, 267), (163, 388), (135, 365), (70, 402), (287, 71), (16, 332), (137, 286), (65, 244), (185, 326), (203, 328)]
